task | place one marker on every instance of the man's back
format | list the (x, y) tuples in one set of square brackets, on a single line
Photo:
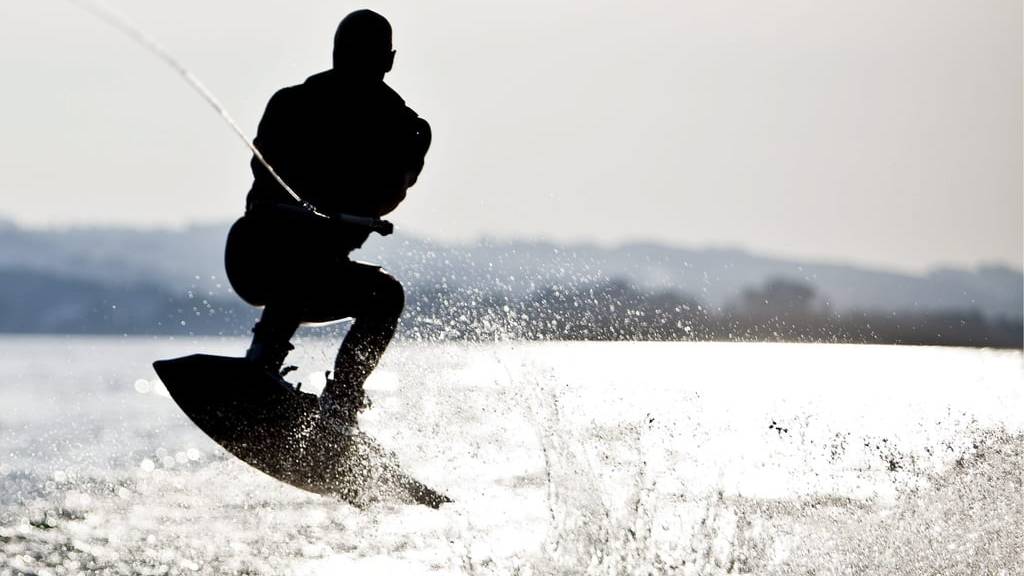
[(343, 144)]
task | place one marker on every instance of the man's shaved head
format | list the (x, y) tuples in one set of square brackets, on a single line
[(363, 42)]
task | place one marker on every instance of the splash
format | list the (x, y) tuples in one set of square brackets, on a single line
[(555, 469)]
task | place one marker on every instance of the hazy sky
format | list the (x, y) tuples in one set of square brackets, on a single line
[(869, 131)]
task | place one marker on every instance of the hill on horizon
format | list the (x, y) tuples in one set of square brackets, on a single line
[(178, 260)]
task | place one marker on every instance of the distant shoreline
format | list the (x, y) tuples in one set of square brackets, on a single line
[(404, 339)]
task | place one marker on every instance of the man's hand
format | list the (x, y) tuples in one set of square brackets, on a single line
[(382, 227)]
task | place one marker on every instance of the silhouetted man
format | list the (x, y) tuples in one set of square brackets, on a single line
[(346, 143)]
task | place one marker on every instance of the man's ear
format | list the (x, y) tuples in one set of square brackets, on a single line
[(389, 62)]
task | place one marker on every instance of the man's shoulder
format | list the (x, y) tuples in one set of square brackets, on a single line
[(284, 96), (312, 85), (319, 81), (327, 88), (392, 96)]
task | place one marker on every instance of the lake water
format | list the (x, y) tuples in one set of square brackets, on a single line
[(562, 458)]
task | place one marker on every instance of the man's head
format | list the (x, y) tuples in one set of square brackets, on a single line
[(362, 44)]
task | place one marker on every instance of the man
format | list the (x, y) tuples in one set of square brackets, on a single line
[(348, 145)]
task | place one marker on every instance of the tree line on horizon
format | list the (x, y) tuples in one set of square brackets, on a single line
[(779, 310)]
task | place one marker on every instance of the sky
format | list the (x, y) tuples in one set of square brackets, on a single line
[(870, 132)]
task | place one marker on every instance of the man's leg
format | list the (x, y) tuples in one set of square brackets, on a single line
[(257, 241), (271, 335), (375, 300)]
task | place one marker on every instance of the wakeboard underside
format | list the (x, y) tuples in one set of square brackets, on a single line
[(279, 432)]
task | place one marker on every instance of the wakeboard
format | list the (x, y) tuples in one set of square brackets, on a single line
[(278, 430)]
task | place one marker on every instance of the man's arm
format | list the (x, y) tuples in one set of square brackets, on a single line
[(272, 137), (418, 150), (411, 149)]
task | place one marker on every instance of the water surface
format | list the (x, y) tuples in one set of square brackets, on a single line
[(562, 458)]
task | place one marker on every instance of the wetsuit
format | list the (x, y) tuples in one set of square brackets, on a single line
[(345, 144)]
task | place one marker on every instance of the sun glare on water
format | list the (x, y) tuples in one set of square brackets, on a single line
[(575, 458)]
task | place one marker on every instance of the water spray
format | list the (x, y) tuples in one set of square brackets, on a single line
[(123, 24)]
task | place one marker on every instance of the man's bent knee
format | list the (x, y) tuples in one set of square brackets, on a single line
[(389, 297)]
